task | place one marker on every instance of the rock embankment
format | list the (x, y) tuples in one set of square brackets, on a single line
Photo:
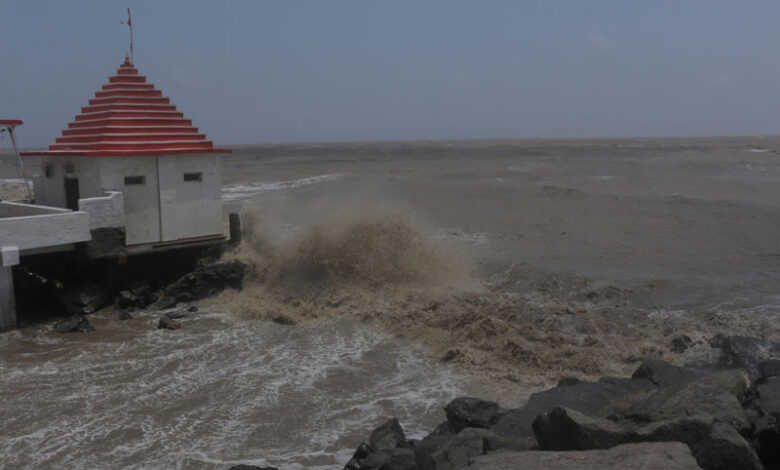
[(205, 281), (719, 416)]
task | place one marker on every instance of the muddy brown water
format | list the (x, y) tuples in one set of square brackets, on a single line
[(682, 226)]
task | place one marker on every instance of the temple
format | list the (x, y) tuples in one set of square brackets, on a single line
[(130, 175)]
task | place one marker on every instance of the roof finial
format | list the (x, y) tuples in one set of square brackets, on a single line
[(129, 25)]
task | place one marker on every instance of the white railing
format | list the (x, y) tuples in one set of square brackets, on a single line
[(104, 212), (28, 226)]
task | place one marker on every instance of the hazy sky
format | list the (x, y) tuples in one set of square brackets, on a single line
[(286, 71)]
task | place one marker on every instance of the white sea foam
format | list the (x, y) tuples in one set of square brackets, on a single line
[(235, 192), (218, 392)]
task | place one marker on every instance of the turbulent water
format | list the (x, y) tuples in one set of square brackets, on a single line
[(221, 391), (414, 272)]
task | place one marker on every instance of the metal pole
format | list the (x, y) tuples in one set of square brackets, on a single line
[(21, 165), (130, 24)]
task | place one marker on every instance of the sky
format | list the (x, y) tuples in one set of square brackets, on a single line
[(311, 71)]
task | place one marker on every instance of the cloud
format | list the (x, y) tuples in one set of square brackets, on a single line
[(597, 41)]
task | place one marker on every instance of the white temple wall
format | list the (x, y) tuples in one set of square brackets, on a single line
[(141, 198), (190, 207), (160, 203), (50, 190)]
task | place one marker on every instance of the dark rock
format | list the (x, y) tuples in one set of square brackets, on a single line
[(716, 445), (434, 441), (123, 315), (471, 412), (769, 396), (168, 324), (767, 432), (136, 294), (175, 315), (767, 440), (720, 394), (387, 436), (444, 429), (138, 287), (282, 319), (725, 449), (85, 300), (164, 302), (377, 459), (192, 309), (568, 381), (362, 452), (746, 353), (74, 324), (565, 429), (591, 398), (647, 456), (207, 280), (126, 299), (458, 452), (664, 374), (769, 369), (401, 459), (498, 442), (681, 343)]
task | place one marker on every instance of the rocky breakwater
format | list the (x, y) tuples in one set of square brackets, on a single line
[(205, 281), (719, 415)]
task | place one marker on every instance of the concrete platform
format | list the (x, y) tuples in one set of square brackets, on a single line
[(30, 229)]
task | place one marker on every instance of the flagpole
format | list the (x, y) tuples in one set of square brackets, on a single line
[(130, 24)]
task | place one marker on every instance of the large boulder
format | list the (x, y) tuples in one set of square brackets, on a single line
[(387, 436), (567, 429), (207, 281), (664, 374), (466, 412), (387, 449), (85, 299), (591, 398), (756, 355), (390, 459), (460, 450), (767, 433), (136, 294), (74, 324), (647, 456), (720, 395), (716, 445)]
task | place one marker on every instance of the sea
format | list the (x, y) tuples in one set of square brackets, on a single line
[(411, 273)]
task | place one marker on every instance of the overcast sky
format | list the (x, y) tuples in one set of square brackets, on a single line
[(293, 71)]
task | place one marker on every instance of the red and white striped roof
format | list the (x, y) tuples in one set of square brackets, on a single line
[(129, 117)]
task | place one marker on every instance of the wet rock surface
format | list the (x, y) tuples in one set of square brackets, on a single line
[(723, 416), (74, 324), (168, 323), (592, 398), (756, 356), (647, 456), (471, 412), (205, 281), (86, 299)]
